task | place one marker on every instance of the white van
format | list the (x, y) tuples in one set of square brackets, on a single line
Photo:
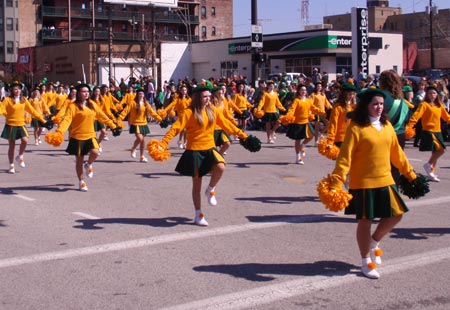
[(290, 76)]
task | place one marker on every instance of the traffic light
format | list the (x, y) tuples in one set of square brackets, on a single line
[(259, 58)]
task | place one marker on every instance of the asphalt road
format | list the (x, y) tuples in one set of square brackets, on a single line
[(130, 243)]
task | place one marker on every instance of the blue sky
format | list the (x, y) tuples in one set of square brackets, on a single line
[(285, 15)]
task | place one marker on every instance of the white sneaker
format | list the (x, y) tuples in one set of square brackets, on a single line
[(20, 161), (40, 141), (430, 172), (180, 145), (100, 149), (303, 153), (144, 159), (211, 196), (83, 186), (36, 143), (375, 255), (89, 170), (200, 220), (133, 154), (11, 169), (106, 138), (370, 271)]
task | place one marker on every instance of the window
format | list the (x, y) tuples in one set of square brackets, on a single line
[(2, 49), (343, 64), (17, 24), (10, 47), (9, 24), (213, 11), (9, 3), (2, 25), (377, 69), (213, 31), (229, 69), (203, 31), (203, 12), (124, 27), (303, 65)]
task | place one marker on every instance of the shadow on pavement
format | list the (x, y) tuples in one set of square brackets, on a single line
[(418, 233), (158, 175), (161, 222), (263, 272), (49, 188), (1, 223), (248, 165), (306, 218), (280, 200)]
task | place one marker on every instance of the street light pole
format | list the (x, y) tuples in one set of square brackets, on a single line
[(431, 36), (254, 49)]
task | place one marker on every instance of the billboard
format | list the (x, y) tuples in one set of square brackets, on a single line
[(360, 39), (159, 3)]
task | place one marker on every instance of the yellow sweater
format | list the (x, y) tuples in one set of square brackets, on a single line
[(201, 137), (241, 102), (321, 101), (40, 106), (179, 104), (81, 121), (59, 101), (430, 116), (366, 155), (301, 109), (15, 112), (270, 102), (338, 123), (138, 117)]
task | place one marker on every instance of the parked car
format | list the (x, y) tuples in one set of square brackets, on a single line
[(290, 76)]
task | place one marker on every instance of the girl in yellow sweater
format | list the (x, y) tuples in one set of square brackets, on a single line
[(40, 106), (369, 147), (221, 138), (269, 104), (321, 102), (80, 117), (14, 107), (180, 102), (241, 102), (201, 155), (430, 112), (139, 109)]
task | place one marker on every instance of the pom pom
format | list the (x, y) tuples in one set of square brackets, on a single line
[(54, 138), (409, 132), (172, 114), (334, 200), (161, 113), (378, 252), (258, 113), (56, 119), (330, 151), (287, 119), (252, 143), (157, 150), (415, 189), (164, 123), (372, 265)]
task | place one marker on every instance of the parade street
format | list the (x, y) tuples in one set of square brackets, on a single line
[(130, 241)]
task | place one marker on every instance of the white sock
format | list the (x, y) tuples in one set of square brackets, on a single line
[(365, 261), (374, 244), (198, 212), (211, 189)]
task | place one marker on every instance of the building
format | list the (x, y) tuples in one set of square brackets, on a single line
[(122, 40), (416, 30)]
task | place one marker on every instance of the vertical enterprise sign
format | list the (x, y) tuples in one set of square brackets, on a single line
[(360, 36)]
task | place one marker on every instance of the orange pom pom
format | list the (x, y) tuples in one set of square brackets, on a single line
[(334, 200), (327, 150), (258, 113), (54, 138), (56, 119), (172, 113), (409, 132), (287, 119), (378, 252), (157, 150), (372, 265)]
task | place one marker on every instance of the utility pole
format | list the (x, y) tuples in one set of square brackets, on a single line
[(254, 76), (110, 45), (431, 36)]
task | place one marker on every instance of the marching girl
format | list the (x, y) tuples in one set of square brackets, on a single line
[(429, 113), (301, 129), (40, 106), (369, 147), (268, 104), (240, 101), (62, 111), (180, 102), (221, 138), (339, 119), (80, 117), (126, 99), (108, 105), (138, 109), (201, 156), (321, 102), (96, 97), (13, 108)]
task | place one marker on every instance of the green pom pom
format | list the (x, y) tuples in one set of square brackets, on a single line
[(164, 123), (419, 187), (252, 143)]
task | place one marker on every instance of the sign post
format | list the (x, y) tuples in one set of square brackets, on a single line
[(257, 36), (360, 39)]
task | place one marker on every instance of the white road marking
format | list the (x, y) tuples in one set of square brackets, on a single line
[(24, 197), (86, 216), (271, 293), (138, 243)]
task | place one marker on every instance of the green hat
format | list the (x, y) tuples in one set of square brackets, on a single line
[(15, 83), (432, 87), (348, 87), (139, 89), (270, 82), (217, 88), (200, 89), (81, 85), (369, 93), (407, 89)]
